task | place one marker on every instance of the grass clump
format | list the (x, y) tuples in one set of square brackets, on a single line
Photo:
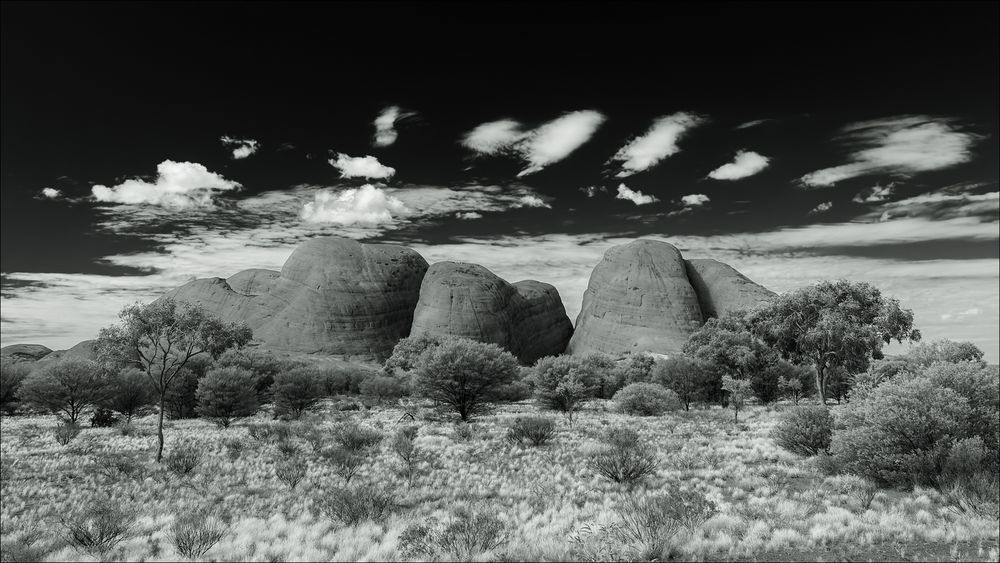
[(100, 527), (537, 430), (357, 504), (466, 535), (194, 534), (65, 432), (183, 461), (622, 457)]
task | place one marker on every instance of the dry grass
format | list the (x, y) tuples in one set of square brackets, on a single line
[(770, 504)]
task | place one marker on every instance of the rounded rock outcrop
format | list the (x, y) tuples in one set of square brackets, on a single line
[(25, 352), (639, 299), (721, 289)]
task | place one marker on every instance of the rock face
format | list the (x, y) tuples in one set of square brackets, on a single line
[(644, 297), (333, 296), (85, 350), (467, 300), (638, 300), (722, 289), (25, 352)]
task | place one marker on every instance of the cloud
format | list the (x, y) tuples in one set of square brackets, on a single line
[(659, 142), (242, 148), (943, 205), (50, 193), (365, 206), (746, 163), (750, 124), (178, 185), (821, 208), (901, 145), (385, 125), (531, 201), (493, 137), (361, 167), (635, 196), (557, 139), (540, 147), (874, 194), (974, 311), (468, 215), (591, 191), (695, 200)]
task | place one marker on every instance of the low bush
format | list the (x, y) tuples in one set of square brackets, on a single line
[(345, 463), (194, 534), (182, 461), (651, 522), (646, 399), (65, 432), (260, 432), (99, 527), (297, 391), (382, 388), (358, 504), (291, 470), (622, 458), (537, 430), (405, 449), (464, 536), (356, 438), (805, 430), (103, 418), (234, 448), (116, 467)]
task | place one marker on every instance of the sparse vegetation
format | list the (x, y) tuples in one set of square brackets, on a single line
[(536, 430)]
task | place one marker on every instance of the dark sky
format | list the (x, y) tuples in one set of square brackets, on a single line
[(97, 93)]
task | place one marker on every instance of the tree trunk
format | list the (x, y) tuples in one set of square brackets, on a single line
[(736, 416), (821, 383), (159, 431)]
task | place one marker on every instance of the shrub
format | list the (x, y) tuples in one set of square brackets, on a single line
[(181, 396), (356, 438), (264, 366), (948, 351), (977, 494), (537, 430), (358, 504), (514, 392), (464, 536), (652, 521), (65, 432), (291, 471), (805, 430), (345, 463), (740, 391), (100, 527), (382, 388), (12, 375), (195, 533), (296, 391), (646, 399), (260, 432), (335, 381), (464, 374), (130, 391), (405, 357), (66, 387), (103, 418), (225, 394), (622, 458), (183, 461), (692, 380), (562, 383), (116, 467), (234, 448), (403, 446)]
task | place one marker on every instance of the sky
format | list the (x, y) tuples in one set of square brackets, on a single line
[(144, 145)]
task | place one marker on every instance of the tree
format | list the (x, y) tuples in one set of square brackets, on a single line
[(603, 374), (12, 376), (382, 387), (562, 383), (636, 368), (740, 391), (296, 391), (130, 391), (68, 387), (927, 353), (181, 399), (161, 337), (406, 354), (834, 326), (790, 388), (464, 373), (225, 394), (728, 346), (691, 379)]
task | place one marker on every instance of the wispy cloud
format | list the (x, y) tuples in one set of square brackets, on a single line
[(635, 196), (540, 147), (944, 205), (821, 208), (874, 194), (361, 167), (902, 145), (385, 125), (178, 185), (366, 206), (746, 163), (468, 215), (659, 142), (241, 148), (750, 124)]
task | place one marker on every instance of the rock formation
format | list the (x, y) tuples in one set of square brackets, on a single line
[(25, 352), (467, 300), (85, 350), (332, 296), (644, 297), (722, 289)]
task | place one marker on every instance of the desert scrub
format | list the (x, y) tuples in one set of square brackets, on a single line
[(117, 467), (99, 528), (464, 535), (651, 522), (194, 534), (183, 461), (406, 450), (356, 438), (622, 458), (357, 504), (291, 471), (805, 430), (646, 399), (259, 431), (537, 430), (65, 432)]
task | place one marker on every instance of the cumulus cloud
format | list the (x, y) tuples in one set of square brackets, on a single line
[(493, 137), (361, 167), (531, 201), (821, 208), (746, 163), (385, 125), (364, 206), (540, 147), (901, 145), (635, 196), (468, 215), (874, 194), (659, 142), (178, 185), (50, 193), (241, 148), (695, 200)]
